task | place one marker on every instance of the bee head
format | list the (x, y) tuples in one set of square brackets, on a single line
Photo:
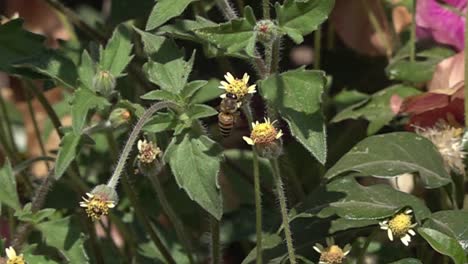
[(231, 96)]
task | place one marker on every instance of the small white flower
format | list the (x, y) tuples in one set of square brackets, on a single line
[(400, 226), (147, 151), (239, 87), (332, 254), (13, 258)]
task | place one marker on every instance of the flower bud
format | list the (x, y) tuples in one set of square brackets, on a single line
[(98, 202), (270, 150), (265, 31), (119, 117), (148, 157), (106, 193), (104, 83)]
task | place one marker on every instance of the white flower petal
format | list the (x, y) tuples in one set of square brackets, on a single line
[(404, 241), (411, 232), (10, 252), (408, 211), (229, 77), (390, 235), (279, 134), (248, 140), (245, 78), (317, 249)]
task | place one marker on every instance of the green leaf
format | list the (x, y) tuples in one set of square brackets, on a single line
[(26, 215), (191, 88), (87, 71), (161, 122), (64, 235), (17, 44), (233, 36), (84, 100), (421, 70), (393, 154), (159, 48), (165, 10), (8, 195), (66, 153), (198, 111), (301, 17), (376, 109), (347, 98), (195, 163), (171, 76), (207, 93), (52, 64), (443, 244), (115, 57), (123, 10), (297, 96), (161, 95), (452, 223)]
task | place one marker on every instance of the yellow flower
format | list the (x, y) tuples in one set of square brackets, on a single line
[(96, 205), (239, 87), (332, 254), (12, 257), (148, 151), (400, 225), (263, 133)]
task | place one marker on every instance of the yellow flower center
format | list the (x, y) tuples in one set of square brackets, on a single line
[(16, 260), (332, 255), (400, 224), (238, 87), (97, 207), (263, 133)]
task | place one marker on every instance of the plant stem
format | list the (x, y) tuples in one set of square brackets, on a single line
[(378, 28), (36, 128), (9, 129), (132, 138), (317, 47), (276, 56), (466, 70), (257, 189), (366, 245), (268, 56), (175, 220), (413, 35), (227, 9), (266, 9), (284, 210), (215, 241), (141, 215)]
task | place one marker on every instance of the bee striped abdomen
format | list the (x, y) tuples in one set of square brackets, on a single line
[(225, 123)]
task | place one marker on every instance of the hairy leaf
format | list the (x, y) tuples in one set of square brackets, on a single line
[(115, 57), (195, 162), (8, 194), (85, 100), (297, 96), (66, 153), (165, 10)]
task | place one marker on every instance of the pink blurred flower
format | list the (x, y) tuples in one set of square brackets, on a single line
[(444, 24)]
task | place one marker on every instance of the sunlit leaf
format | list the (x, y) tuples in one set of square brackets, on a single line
[(452, 223), (115, 57), (165, 10), (66, 153), (85, 100), (443, 244)]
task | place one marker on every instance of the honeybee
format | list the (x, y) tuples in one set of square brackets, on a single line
[(228, 111)]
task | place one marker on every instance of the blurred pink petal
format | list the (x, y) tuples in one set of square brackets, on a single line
[(448, 74), (440, 23), (352, 24), (395, 103)]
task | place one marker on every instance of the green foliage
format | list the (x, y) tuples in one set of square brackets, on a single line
[(84, 101), (165, 10), (297, 95), (26, 215), (64, 235), (115, 57), (195, 162), (67, 153), (376, 109), (393, 154), (298, 18), (452, 223), (443, 244), (8, 195)]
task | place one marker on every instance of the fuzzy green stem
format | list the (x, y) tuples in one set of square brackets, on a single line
[(413, 35), (227, 10), (132, 138), (268, 57), (266, 9), (466, 70), (215, 241), (276, 55), (257, 189), (175, 220), (284, 210), (317, 47)]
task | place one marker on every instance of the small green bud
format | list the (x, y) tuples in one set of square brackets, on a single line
[(106, 193), (266, 31), (104, 83), (119, 117), (270, 150)]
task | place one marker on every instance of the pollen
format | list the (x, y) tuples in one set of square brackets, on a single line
[(263, 133), (96, 206), (400, 224), (238, 87), (332, 255)]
